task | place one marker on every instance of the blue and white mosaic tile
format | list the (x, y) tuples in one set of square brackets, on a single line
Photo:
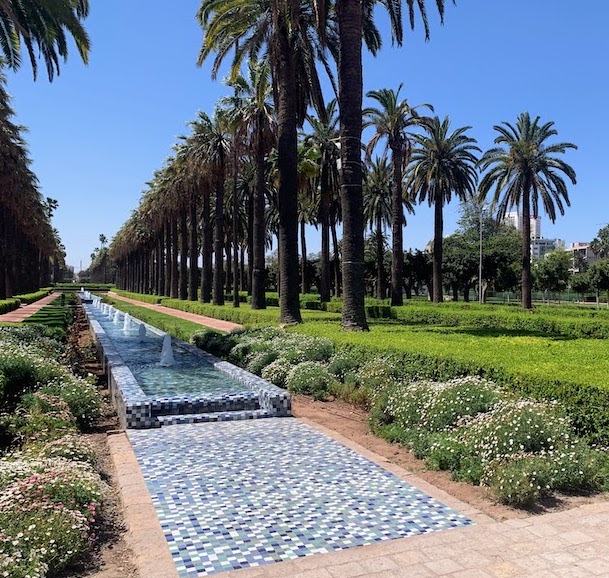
[(239, 494)]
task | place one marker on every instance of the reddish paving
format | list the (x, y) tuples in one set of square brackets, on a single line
[(25, 311), (200, 319)]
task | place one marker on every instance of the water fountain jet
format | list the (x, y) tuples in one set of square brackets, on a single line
[(167, 353)]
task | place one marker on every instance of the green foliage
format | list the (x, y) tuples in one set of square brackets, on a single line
[(258, 360), (82, 398), (33, 297), (551, 273), (574, 372), (152, 299), (8, 305), (341, 363), (213, 342), (310, 378), (277, 372)]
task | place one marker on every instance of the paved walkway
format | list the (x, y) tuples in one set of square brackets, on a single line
[(200, 319), (25, 311), (571, 543)]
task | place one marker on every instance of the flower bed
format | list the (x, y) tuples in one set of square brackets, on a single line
[(483, 433), (51, 493)]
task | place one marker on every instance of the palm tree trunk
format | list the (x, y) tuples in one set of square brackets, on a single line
[(228, 277), (247, 282), (160, 288), (167, 288), (397, 223), (303, 261), (380, 273), (324, 219), (337, 267), (350, 88), (218, 288), (193, 277), (183, 292), (206, 277), (527, 281), (287, 162), (175, 281), (437, 250), (258, 290), (235, 230)]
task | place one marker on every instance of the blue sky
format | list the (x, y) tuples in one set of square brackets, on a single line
[(97, 133)]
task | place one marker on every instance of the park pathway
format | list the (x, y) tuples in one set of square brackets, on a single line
[(200, 319), (288, 498), (25, 311)]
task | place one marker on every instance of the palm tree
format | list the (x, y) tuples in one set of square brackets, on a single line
[(283, 29), (526, 171), (211, 145), (254, 109), (377, 211), (324, 136), (354, 20), (443, 163), (392, 121), (42, 26)]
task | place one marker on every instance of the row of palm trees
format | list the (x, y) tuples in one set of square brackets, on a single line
[(282, 42), (31, 252)]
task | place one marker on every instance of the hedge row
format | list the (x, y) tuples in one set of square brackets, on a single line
[(85, 286), (28, 298), (441, 356), (7, 305)]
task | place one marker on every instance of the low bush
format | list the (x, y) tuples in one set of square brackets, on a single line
[(213, 342), (8, 305), (33, 297), (258, 360), (70, 447), (277, 372), (341, 363), (310, 378), (152, 299)]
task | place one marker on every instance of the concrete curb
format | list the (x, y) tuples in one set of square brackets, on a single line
[(145, 536)]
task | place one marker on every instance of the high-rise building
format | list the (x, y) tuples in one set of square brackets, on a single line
[(514, 218), (582, 256)]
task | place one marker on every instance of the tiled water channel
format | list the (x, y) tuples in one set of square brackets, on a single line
[(240, 494), (197, 388)]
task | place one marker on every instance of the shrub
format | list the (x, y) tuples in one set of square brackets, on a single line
[(310, 378), (277, 372), (70, 447), (309, 349), (8, 305), (466, 396), (26, 530), (341, 363), (82, 398), (257, 361), (33, 297), (213, 342)]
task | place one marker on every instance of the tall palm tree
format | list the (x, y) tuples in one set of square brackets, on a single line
[(43, 26), (284, 30), (211, 144), (525, 171), (324, 136), (392, 121), (253, 107), (443, 163), (354, 21), (377, 211)]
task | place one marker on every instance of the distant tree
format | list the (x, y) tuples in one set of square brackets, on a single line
[(524, 173), (598, 275), (443, 164), (580, 283), (417, 272), (551, 273), (600, 244)]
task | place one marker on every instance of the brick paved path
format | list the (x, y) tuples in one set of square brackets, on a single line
[(200, 319), (25, 311)]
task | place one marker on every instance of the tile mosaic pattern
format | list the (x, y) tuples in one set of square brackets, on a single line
[(240, 494), (207, 389)]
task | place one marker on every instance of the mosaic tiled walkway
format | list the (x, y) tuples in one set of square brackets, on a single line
[(239, 494)]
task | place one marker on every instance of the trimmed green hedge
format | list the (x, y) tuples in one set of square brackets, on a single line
[(28, 298), (85, 286), (7, 305), (152, 299), (573, 372)]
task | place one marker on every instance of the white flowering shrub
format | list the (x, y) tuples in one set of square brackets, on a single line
[(257, 361), (310, 378), (70, 447), (277, 372), (341, 363)]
